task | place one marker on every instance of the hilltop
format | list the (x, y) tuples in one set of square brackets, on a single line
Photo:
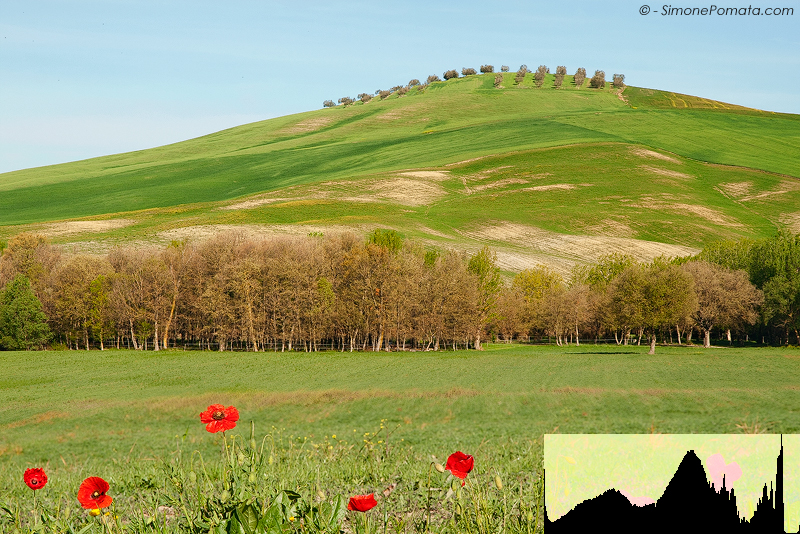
[(542, 175)]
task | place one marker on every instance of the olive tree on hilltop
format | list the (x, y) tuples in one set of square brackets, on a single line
[(598, 81), (580, 77)]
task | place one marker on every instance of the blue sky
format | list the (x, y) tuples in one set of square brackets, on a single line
[(85, 79)]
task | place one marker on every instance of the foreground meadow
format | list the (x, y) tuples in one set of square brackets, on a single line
[(328, 426)]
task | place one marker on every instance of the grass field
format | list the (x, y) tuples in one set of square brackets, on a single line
[(119, 414), (658, 169)]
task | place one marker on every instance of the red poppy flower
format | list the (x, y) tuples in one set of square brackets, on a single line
[(362, 503), (92, 493), (217, 417), (460, 464), (35, 478)]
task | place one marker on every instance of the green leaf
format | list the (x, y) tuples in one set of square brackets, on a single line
[(247, 516)]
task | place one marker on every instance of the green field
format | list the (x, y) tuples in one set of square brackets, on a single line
[(565, 176), (118, 414)]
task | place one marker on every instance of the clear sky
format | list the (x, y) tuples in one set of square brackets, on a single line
[(84, 79)]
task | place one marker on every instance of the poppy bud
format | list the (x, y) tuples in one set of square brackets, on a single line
[(530, 516), (458, 509), (439, 467), (321, 494), (271, 460), (192, 477), (253, 444), (252, 478), (224, 496), (240, 458), (498, 482), (455, 484)]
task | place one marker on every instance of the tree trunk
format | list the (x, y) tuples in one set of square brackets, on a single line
[(155, 338), (678, 329), (478, 342), (707, 338), (652, 343), (169, 319), (689, 335), (639, 340), (577, 341), (729, 336), (616, 338), (133, 338)]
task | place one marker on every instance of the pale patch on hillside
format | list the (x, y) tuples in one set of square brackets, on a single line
[(704, 212), (392, 189), (643, 152), (79, 227), (560, 250), (406, 192), (308, 125), (785, 186), (430, 175), (495, 185), (550, 187), (200, 232), (250, 204), (735, 189), (792, 221), (665, 172)]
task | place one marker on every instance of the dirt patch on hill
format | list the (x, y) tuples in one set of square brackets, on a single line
[(665, 172), (735, 189), (495, 185), (792, 221), (574, 248), (405, 191), (549, 187), (255, 231), (436, 176), (254, 203), (468, 160), (645, 153), (80, 227), (706, 213), (308, 125)]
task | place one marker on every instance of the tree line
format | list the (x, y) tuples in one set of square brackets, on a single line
[(596, 82), (385, 293)]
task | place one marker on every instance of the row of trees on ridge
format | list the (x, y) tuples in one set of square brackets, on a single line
[(597, 81)]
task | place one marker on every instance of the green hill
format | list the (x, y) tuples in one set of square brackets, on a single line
[(541, 174)]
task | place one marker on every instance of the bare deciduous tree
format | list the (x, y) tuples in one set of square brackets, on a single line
[(487, 68), (619, 81), (328, 104), (449, 74), (433, 78), (504, 68), (468, 71), (725, 298)]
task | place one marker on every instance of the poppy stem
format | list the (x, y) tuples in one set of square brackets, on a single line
[(428, 505)]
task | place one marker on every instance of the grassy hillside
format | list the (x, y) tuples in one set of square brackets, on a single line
[(565, 174)]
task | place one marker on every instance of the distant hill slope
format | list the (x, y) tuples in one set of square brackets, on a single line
[(563, 176)]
